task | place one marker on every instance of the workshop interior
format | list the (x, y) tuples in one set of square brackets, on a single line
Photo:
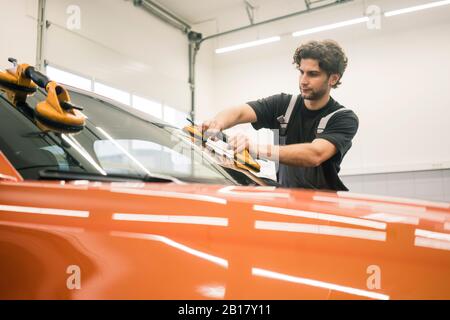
[(224, 150)]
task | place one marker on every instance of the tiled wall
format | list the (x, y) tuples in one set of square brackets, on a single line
[(427, 185)]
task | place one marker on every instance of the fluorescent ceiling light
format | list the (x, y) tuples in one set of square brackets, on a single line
[(417, 8), (248, 44), (330, 26)]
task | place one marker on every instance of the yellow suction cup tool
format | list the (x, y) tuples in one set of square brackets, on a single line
[(195, 133), (57, 110), (242, 160), (245, 161), (15, 78)]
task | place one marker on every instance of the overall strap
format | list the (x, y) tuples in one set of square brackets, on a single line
[(284, 120), (324, 121)]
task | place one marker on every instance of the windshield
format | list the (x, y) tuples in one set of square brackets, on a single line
[(115, 140)]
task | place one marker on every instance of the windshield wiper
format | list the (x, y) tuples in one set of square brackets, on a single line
[(49, 174)]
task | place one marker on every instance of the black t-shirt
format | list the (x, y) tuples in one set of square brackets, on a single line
[(302, 128)]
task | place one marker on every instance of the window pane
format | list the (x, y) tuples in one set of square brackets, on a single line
[(68, 78), (112, 93), (175, 117), (28, 148), (148, 106), (133, 155)]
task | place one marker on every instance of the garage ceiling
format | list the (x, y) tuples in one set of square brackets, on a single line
[(196, 11)]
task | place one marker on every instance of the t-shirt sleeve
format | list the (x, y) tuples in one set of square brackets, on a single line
[(340, 130), (268, 110)]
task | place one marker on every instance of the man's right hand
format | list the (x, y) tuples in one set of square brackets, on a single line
[(228, 118)]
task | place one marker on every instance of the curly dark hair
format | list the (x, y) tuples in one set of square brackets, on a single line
[(329, 53)]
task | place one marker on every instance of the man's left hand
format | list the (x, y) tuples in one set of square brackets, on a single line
[(240, 142)]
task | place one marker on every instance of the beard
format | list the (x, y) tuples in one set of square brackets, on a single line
[(312, 94), (315, 94)]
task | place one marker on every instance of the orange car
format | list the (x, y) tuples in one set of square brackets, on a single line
[(129, 208)]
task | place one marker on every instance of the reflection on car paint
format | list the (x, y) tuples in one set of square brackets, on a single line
[(45, 227), (321, 216), (153, 237), (427, 203), (387, 217), (171, 194), (258, 193), (46, 211), (321, 230), (431, 243), (432, 235), (215, 291), (160, 218), (320, 284), (408, 210)]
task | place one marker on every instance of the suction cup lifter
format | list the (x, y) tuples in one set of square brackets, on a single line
[(15, 78), (38, 78), (242, 160), (57, 111)]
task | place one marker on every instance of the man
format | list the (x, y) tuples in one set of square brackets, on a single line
[(314, 135)]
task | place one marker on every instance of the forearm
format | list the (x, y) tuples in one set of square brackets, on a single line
[(233, 116), (301, 155)]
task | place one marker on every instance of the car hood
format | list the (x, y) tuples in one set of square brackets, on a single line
[(169, 241)]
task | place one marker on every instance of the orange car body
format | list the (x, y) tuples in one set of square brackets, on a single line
[(133, 240)]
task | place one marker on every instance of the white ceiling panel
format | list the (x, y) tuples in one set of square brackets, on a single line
[(196, 11)]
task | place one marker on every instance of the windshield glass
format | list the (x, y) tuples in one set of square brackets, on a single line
[(115, 140)]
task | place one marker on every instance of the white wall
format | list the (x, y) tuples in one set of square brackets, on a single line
[(397, 79), (122, 46), (428, 185), (18, 31), (205, 82)]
